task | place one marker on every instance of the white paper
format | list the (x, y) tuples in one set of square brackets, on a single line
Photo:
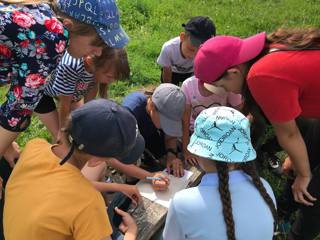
[(164, 197)]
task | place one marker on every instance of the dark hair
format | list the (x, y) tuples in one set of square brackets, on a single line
[(223, 175), (116, 58)]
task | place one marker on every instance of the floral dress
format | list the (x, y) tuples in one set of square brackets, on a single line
[(32, 42)]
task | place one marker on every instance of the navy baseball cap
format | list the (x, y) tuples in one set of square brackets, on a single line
[(102, 14), (200, 29), (103, 128)]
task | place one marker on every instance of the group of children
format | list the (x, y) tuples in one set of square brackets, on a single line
[(70, 63)]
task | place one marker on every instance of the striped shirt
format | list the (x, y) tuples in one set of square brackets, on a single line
[(70, 78)]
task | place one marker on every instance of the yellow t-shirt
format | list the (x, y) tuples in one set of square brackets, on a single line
[(45, 200)]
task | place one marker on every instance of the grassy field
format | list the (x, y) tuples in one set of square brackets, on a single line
[(150, 23)]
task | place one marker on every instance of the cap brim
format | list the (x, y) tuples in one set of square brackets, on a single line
[(207, 149), (220, 91), (171, 127), (116, 38), (251, 47), (135, 152)]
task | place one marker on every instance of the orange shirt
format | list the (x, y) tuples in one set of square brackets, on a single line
[(45, 200)]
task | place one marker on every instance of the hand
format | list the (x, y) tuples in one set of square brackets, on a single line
[(176, 164), (1, 187), (299, 190), (160, 185), (190, 158), (12, 154), (128, 224), (132, 192)]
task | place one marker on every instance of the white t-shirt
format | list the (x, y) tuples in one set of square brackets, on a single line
[(170, 56), (198, 102), (196, 213)]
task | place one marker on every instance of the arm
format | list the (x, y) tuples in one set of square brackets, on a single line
[(291, 141), (166, 74), (134, 171), (129, 190), (130, 169), (64, 108), (186, 138), (185, 128), (172, 159)]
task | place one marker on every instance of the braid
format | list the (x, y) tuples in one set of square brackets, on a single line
[(250, 169), (223, 174)]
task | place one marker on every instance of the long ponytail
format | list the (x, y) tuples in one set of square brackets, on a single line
[(250, 169), (223, 175), (297, 39)]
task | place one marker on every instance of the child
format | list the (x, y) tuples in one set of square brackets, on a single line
[(176, 56), (77, 79), (33, 40), (52, 195), (159, 119), (199, 98), (232, 201)]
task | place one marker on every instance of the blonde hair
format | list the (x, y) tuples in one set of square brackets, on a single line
[(117, 58), (296, 38)]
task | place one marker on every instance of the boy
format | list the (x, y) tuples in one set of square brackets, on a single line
[(176, 56), (47, 197)]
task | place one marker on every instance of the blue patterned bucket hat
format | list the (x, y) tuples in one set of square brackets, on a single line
[(102, 14), (222, 134)]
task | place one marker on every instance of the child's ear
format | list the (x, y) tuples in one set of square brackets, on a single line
[(68, 23), (89, 62), (233, 70), (94, 161), (182, 36)]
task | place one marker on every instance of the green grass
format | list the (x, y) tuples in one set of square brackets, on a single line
[(150, 23)]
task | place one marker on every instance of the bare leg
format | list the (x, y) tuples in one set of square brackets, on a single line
[(51, 121), (6, 140)]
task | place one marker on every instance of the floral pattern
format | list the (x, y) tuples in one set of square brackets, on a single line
[(32, 42)]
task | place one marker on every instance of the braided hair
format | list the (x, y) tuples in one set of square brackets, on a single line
[(250, 169), (223, 175)]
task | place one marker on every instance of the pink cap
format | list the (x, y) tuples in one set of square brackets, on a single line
[(220, 53)]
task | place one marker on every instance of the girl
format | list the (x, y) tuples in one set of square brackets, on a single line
[(232, 201), (32, 43), (78, 79), (283, 64), (199, 98), (159, 117)]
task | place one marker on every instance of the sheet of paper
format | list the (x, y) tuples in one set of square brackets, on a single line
[(164, 197)]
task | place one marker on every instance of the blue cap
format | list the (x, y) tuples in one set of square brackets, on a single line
[(105, 129), (222, 134), (102, 14)]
